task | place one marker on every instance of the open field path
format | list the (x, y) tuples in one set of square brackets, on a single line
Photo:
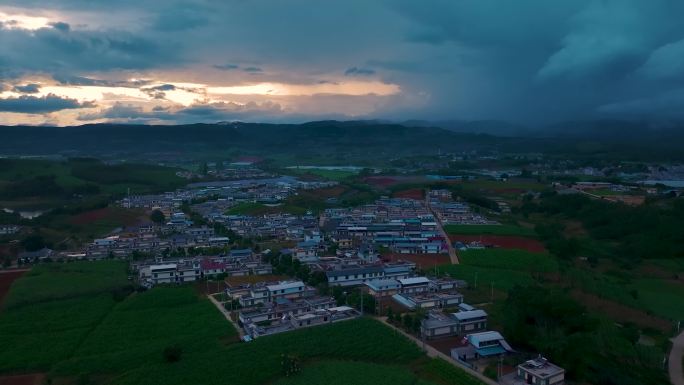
[(434, 353)]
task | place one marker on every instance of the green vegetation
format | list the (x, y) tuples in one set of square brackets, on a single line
[(588, 347), (35, 337), (442, 372), (647, 231), (655, 296), (352, 372), (336, 175), (501, 278), (26, 182), (47, 282), (490, 230), (512, 259), (171, 335)]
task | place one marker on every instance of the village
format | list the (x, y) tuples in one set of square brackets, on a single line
[(369, 253), (275, 271)]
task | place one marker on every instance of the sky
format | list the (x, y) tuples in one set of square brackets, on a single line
[(70, 62)]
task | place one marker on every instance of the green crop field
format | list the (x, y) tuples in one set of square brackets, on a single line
[(659, 297), (501, 278), (512, 259), (324, 173), (35, 337), (352, 372), (71, 280), (490, 230), (67, 321)]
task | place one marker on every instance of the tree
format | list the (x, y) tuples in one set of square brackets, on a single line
[(33, 242), (407, 321), (203, 168), (157, 217), (290, 364), (390, 315), (173, 353)]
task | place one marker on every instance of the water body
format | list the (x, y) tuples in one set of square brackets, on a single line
[(329, 168), (26, 214), (668, 183)]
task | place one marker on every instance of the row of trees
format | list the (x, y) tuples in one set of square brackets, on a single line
[(646, 231)]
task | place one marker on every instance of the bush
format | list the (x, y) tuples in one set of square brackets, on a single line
[(290, 365), (173, 353)]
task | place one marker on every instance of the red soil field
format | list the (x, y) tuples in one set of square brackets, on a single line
[(123, 217), (424, 261), (23, 379), (504, 241), (6, 279), (90, 216), (414, 193), (381, 181)]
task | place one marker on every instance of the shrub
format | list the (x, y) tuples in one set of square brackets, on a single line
[(173, 353)]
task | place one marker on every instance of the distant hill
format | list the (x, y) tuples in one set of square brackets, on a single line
[(323, 138), (349, 142)]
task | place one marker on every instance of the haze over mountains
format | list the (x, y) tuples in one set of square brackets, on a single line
[(368, 138)]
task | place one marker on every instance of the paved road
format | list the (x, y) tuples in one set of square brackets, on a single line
[(226, 314), (675, 361), (453, 256), (434, 353)]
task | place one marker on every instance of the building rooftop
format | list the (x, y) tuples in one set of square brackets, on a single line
[(541, 367), (414, 281), (285, 285), (470, 314)]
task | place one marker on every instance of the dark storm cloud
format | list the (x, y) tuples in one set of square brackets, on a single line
[(63, 51), (61, 26), (73, 80), (30, 88), (226, 67), (39, 105), (200, 112), (356, 71), (526, 60)]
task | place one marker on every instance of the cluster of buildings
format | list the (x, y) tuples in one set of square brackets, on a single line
[(284, 227), (404, 226), (276, 307), (9, 229), (149, 238), (452, 212), (181, 270)]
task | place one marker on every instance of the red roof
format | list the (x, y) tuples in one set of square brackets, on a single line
[(212, 265)]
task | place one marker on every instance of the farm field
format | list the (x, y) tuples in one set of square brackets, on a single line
[(48, 282), (501, 278), (502, 241), (490, 230), (422, 261), (336, 175), (79, 335), (659, 297), (510, 259), (352, 372), (7, 277), (26, 176)]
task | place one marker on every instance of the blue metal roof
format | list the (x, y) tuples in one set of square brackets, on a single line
[(490, 351)]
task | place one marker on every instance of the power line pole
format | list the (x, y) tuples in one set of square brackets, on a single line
[(492, 299)]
